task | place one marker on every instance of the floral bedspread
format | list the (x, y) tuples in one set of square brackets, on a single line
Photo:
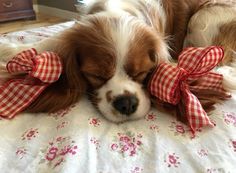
[(79, 140)]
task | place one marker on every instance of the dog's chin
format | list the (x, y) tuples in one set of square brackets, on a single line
[(120, 118)]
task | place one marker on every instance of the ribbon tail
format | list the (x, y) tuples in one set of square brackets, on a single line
[(210, 85), (194, 112), (15, 96)]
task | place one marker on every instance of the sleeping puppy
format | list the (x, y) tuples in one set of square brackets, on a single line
[(215, 24), (110, 51)]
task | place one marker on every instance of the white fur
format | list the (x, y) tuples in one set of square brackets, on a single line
[(229, 73)]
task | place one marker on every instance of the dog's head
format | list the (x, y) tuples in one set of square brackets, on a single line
[(113, 54), (109, 56)]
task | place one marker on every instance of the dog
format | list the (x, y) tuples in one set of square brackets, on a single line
[(109, 53)]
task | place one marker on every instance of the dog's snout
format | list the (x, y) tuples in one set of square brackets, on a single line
[(126, 104)]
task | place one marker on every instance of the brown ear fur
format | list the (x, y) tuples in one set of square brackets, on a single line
[(71, 85), (178, 15)]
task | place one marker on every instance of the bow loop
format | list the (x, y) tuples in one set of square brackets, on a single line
[(39, 71), (196, 115), (53, 70), (46, 66), (22, 62), (199, 61)]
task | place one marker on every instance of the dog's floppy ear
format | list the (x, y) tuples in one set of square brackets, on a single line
[(71, 84)]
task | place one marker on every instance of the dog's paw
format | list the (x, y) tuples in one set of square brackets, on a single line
[(229, 73)]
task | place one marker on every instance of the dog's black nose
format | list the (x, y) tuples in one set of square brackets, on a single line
[(126, 104)]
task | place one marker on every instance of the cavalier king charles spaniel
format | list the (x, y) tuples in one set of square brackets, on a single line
[(110, 51)]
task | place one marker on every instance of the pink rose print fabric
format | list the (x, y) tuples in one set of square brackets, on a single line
[(95, 122), (230, 118), (232, 145), (151, 117), (21, 152), (127, 144), (61, 113), (172, 160), (203, 152), (136, 170), (62, 125), (94, 141), (30, 134), (58, 150), (215, 170), (78, 139)]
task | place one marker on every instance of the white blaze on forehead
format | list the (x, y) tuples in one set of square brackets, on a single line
[(122, 33)]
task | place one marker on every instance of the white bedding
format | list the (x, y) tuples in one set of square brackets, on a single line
[(80, 140)]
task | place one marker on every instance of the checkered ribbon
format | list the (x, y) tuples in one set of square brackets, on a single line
[(173, 84), (34, 73)]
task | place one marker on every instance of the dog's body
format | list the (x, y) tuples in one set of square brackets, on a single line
[(110, 51), (215, 24)]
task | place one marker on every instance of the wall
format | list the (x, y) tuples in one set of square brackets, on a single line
[(61, 4)]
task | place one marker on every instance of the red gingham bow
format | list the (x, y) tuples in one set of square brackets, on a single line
[(39, 71), (172, 84)]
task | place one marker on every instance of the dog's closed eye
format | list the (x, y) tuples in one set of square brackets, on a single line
[(152, 55), (140, 76), (95, 80)]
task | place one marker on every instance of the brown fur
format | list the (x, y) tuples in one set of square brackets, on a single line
[(178, 14), (142, 58), (108, 96)]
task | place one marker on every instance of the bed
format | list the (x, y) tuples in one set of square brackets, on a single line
[(79, 140)]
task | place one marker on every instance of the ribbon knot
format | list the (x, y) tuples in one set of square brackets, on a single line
[(36, 72), (184, 74), (176, 84)]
